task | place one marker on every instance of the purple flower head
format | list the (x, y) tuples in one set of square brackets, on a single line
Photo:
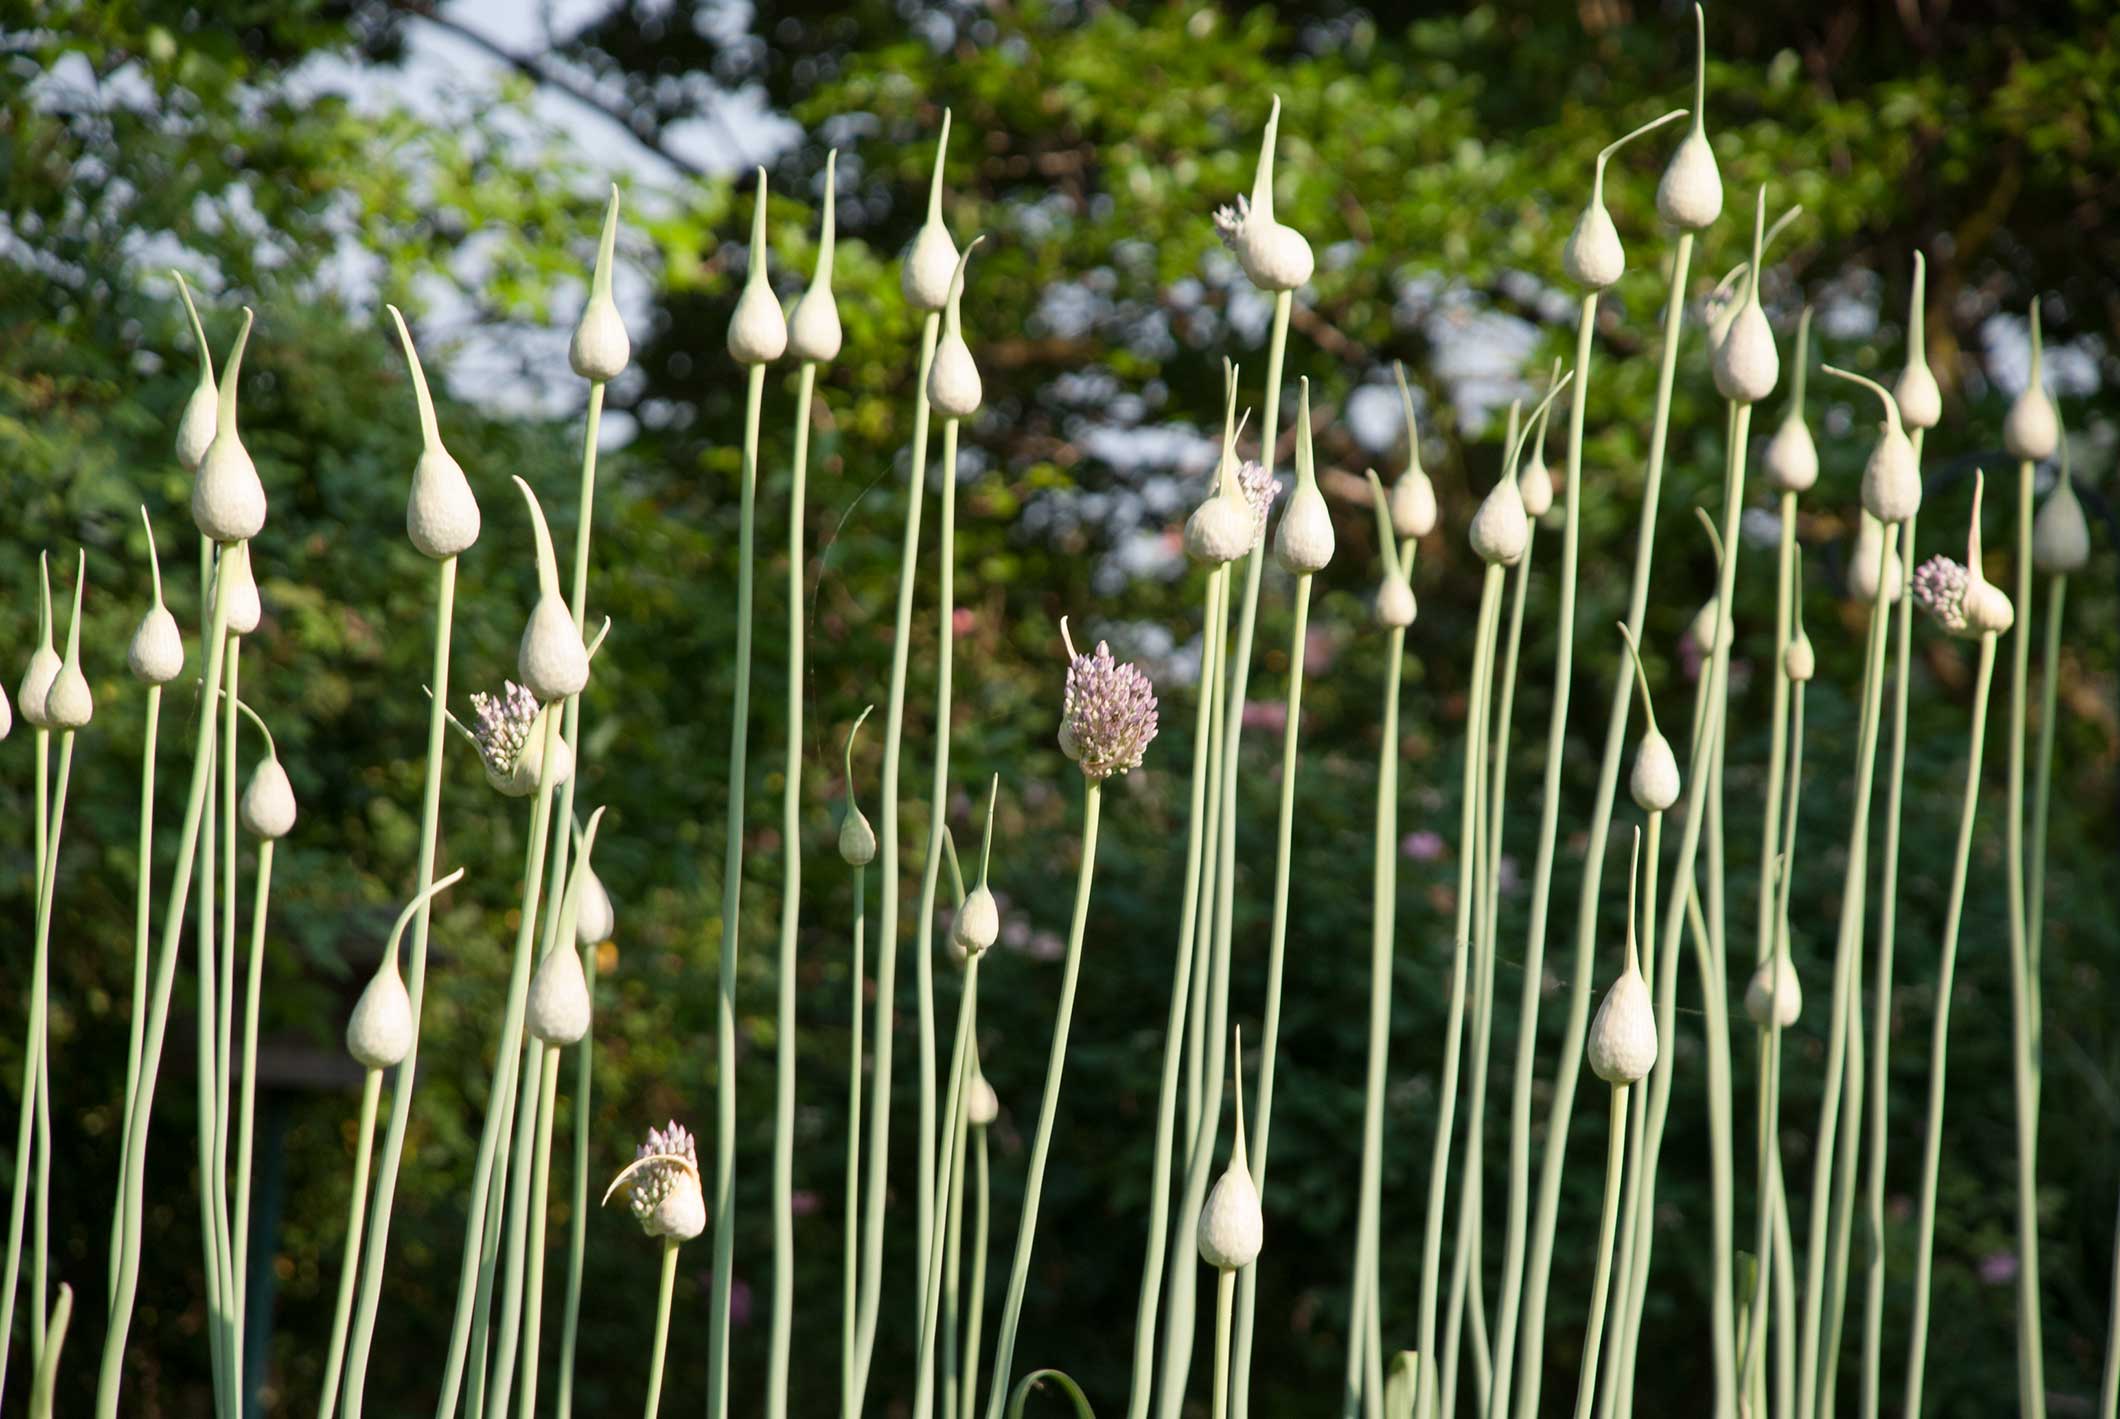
[(1941, 586), (1109, 715), (1260, 488), (1229, 221), (665, 1157), (501, 726)]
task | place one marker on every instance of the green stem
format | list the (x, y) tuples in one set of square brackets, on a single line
[(1225, 1291), (850, 1266), (1049, 1105), (1615, 1159), (1199, 820), (533, 1129), (1769, 1143), (378, 1246), (540, 1199), (662, 1327), (2109, 1385), (143, 920), (2024, 994), (951, 1167), (2043, 782), (724, 1207), (1631, 1222), (1939, 1039), (40, 1007), (953, 1274), (349, 1269), (246, 1105), (32, 1059), (975, 1302), (790, 912), (40, 1399), (887, 943), (224, 1056), (111, 1371)]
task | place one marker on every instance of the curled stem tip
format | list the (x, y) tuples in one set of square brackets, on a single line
[(272, 750), (1641, 676), (1413, 431), (154, 558), (1516, 448), (229, 371), (430, 431), (1972, 535), (1068, 640), (859, 719), (1714, 537), (1387, 537), (397, 932), (606, 249), (547, 564), (942, 147), (986, 844), (1597, 182), (1884, 396), (198, 331), (952, 316), (597, 642)]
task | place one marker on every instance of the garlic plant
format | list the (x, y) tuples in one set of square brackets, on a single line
[(663, 1192), (1232, 1230)]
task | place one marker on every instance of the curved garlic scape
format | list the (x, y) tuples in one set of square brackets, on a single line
[(268, 806), (380, 1031), (227, 500), (1232, 1227), (1534, 479), (1690, 195), (2061, 538), (758, 332), (557, 1010), (1274, 257), (551, 660), (1721, 306), (1774, 991), (245, 610), (441, 514), (1891, 480), (1593, 257), (195, 428), (69, 705), (1962, 599), (1654, 780), (36, 686), (1220, 528), (931, 262), (1622, 1045), (509, 734), (1413, 506), (1304, 542), (857, 839), (156, 652), (1501, 526), (1790, 461), (600, 348), (2031, 430), (1868, 571), (1746, 364), (813, 328), (1920, 400), (953, 386), (1395, 607), (978, 922)]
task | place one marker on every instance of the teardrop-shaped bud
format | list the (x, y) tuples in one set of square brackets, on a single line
[(245, 610), (1690, 196), (1232, 1224), (981, 1105), (813, 329), (1654, 781), (2031, 431), (156, 653), (1919, 398), (1274, 257), (1622, 1048), (379, 1033), (1219, 530), (441, 514), (558, 1008), (1799, 661), (1534, 487), (1394, 608), (1701, 629), (1304, 541), (1891, 480), (931, 261), (268, 808), (600, 348), (551, 660), (1500, 528), (1746, 362), (857, 839), (1774, 991), (227, 500), (595, 918), (2061, 538), (1593, 257), (1869, 572), (978, 923), (758, 332), (1413, 506), (36, 686), (953, 379), (70, 705), (1790, 460), (195, 427)]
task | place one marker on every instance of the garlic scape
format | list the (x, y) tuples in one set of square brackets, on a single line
[(953, 379), (1274, 257), (557, 1009), (1690, 195), (508, 731), (1500, 529), (1891, 480), (1232, 1227), (227, 500), (1394, 608), (663, 1187), (1413, 508), (1790, 461), (1799, 661), (441, 514), (195, 428), (1593, 257), (2061, 538), (1622, 1046), (1220, 528), (551, 661), (1304, 541), (1868, 571), (1920, 400), (379, 1032), (1654, 781), (268, 806), (857, 838), (2031, 431), (978, 923), (600, 348), (931, 261), (758, 332), (36, 686), (69, 705), (1746, 365), (595, 918), (1534, 480), (1961, 598), (156, 652), (813, 327), (245, 610)]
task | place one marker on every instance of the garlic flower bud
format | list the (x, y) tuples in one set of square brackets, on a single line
[(595, 918), (857, 840), (1304, 541), (156, 651), (981, 1105), (36, 686), (1413, 507), (1394, 608), (978, 923), (69, 705), (662, 1185), (1961, 598), (1690, 196), (1891, 480), (1501, 528), (1622, 1044), (758, 332), (1702, 628), (931, 261), (1774, 995), (1790, 460), (245, 611), (2061, 538), (1534, 480), (551, 660), (268, 807), (380, 1032), (953, 379), (227, 500), (813, 328), (441, 515), (1920, 400), (2031, 430), (1274, 257), (600, 348), (1868, 570), (195, 428), (1593, 257), (1799, 662), (1654, 781), (1232, 1226), (1746, 364), (557, 1009)]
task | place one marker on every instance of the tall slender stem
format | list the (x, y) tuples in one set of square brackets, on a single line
[(850, 1259), (662, 1327), (2043, 782), (952, 1165), (975, 1301), (143, 922), (224, 1053), (1615, 1158), (349, 1268), (1939, 1040), (1225, 1291), (540, 1200), (246, 1105)]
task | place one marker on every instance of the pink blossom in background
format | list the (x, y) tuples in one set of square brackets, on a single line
[(802, 1203), (1998, 1268), (1422, 846), (739, 1301), (1319, 652), (1268, 715), (1507, 874), (964, 620)]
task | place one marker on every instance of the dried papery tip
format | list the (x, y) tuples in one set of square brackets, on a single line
[(1690, 195), (857, 840), (2031, 431), (70, 705), (1919, 398), (758, 332), (195, 428), (227, 500), (814, 334), (1305, 541), (953, 387)]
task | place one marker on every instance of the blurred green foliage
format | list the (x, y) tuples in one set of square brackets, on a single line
[(1436, 164)]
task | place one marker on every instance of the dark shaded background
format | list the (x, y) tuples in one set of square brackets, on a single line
[(1436, 159)]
